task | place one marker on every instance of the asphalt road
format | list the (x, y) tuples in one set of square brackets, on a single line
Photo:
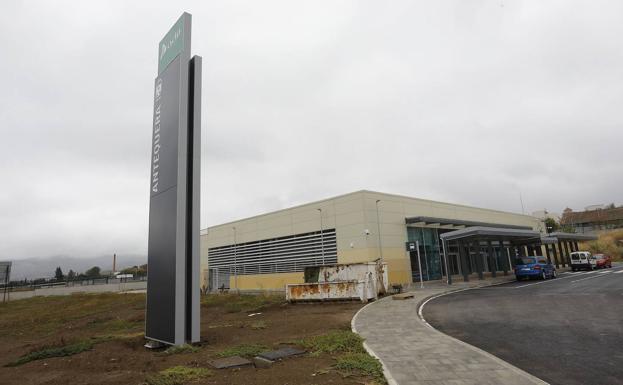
[(567, 330)]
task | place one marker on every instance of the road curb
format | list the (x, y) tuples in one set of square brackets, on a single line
[(388, 376), (500, 361)]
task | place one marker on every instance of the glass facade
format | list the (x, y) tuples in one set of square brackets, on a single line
[(430, 253)]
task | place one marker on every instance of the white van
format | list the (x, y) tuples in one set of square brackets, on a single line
[(582, 260)]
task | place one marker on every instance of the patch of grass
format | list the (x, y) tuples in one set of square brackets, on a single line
[(258, 325), (178, 375), (336, 341), (25, 318), (236, 303), (180, 349), (247, 350), (361, 364), (63, 349), (55, 351)]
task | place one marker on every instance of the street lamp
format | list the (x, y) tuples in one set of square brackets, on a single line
[(321, 235), (378, 222), (235, 259)]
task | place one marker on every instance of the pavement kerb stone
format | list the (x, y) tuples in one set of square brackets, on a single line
[(420, 304)]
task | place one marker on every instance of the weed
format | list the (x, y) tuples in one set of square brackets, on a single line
[(336, 341), (55, 351), (248, 350), (180, 349), (361, 364), (178, 375)]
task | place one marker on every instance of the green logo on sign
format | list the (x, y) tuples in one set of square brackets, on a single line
[(171, 45)]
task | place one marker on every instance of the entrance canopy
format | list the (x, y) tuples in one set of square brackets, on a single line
[(456, 223), (483, 233)]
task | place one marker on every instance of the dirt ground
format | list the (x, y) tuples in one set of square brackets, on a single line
[(119, 356)]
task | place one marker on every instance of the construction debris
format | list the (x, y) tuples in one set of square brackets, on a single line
[(230, 362)]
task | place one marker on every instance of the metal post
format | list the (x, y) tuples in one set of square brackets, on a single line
[(321, 236), (419, 262), (235, 260), (505, 265), (378, 222), (425, 255), (445, 261), (492, 265), (464, 261), (479, 260)]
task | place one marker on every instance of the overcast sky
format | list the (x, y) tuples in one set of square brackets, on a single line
[(469, 102)]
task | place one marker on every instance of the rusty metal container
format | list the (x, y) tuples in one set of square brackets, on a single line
[(363, 281)]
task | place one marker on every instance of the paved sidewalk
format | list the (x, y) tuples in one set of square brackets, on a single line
[(413, 353)]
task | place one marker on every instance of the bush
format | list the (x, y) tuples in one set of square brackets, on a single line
[(610, 243)]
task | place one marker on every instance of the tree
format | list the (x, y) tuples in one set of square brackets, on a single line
[(71, 275), (58, 274), (611, 206), (551, 225), (93, 272)]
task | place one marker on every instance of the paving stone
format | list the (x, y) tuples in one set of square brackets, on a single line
[(413, 353), (262, 363), (279, 354), (230, 362)]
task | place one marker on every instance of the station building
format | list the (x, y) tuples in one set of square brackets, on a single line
[(268, 251)]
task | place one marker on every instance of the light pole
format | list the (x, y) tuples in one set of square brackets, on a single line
[(235, 259), (419, 262), (321, 236), (378, 222)]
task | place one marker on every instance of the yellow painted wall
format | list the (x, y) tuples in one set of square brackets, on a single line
[(354, 218), (265, 281)]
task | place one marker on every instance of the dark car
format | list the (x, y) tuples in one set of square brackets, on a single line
[(602, 261), (534, 267)]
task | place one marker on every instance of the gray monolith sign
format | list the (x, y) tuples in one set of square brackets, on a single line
[(172, 315)]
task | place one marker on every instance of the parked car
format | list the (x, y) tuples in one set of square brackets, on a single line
[(602, 261), (582, 260), (534, 267)]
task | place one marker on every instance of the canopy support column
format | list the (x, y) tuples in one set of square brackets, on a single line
[(479, 261), (549, 259), (463, 261), (493, 266)]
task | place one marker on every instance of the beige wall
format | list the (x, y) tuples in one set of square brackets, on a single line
[(351, 215)]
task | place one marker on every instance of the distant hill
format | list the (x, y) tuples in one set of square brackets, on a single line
[(44, 267)]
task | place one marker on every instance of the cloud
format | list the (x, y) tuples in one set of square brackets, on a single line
[(465, 102)]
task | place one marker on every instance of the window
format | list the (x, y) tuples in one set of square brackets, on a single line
[(524, 261), (276, 255)]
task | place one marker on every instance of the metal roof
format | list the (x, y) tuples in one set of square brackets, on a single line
[(572, 236), (458, 222), (493, 233)]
